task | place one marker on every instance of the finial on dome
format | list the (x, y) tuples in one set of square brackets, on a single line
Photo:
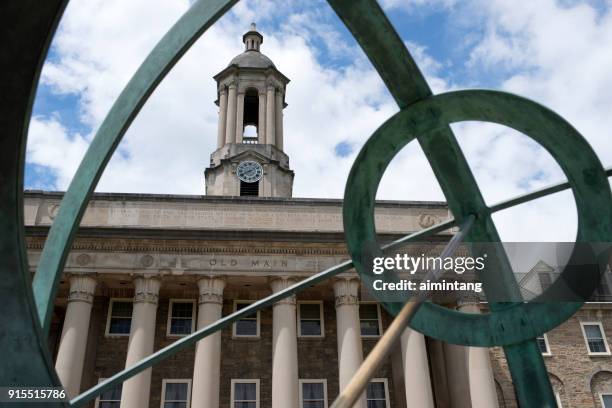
[(252, 39)]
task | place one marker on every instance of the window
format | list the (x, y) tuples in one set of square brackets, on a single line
[(249, 189), (545, 280), (543, 345), (247, 326), (377, 393), (606, 400), (175, 393), (310, 316), (595, 339), (119, 317), (181, 317), (313, 393), (369, 319), (245, 394), (110, 398)]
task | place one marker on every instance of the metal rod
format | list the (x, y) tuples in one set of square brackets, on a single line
[(535, 194), (350, 394), (186, 341)]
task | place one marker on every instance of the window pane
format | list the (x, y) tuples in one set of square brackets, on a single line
[(246, 328), (180, 326), (120, 325), (112, 395), (122, 309), (597, 346), (313, 404), (376, 390), (369, 328), (105, 404), (607, 400), (245, 392), (245, 405), (310, 328), (368, 311), (175, 404), (542, 345), (592, 331), (176, 391), (377, 404), (312, 391), (240, 306), (181, 309), (310, 311)]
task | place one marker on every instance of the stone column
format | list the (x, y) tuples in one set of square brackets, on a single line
[(239, 116), (482, 384), (270, 120), (136, 390), (222, 117), (416, 370), (230, 127), (284, 348), (456, 359), (71, 353), (279, 119), (350, 352), (261, 118), (207, 366)]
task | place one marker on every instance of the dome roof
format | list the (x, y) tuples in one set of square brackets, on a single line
[(252, 59)]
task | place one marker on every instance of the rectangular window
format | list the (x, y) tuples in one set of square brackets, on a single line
[(543, 345), (110, 398), (310, 316), (119, 317), (377, 393), (181, 317), (595, 338), (247, 326), (245, 394), (369, 319), (313, 393), (175, 393), (606, 400)]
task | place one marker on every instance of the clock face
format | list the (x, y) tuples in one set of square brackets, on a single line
[(249, 171)]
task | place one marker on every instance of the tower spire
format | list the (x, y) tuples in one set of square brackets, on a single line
[(252, 39)]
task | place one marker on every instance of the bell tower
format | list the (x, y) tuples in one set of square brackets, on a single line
[(249, 160)]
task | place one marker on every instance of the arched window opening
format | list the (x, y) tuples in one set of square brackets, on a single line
[(251, 117)]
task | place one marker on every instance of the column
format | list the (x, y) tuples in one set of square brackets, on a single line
[(222, 117), (261, 118), (230, 128), (239, 117), (270, 121), (456, 359), (207, 366), (136, 390), (350, 353), (284, 348), (416, 370), (481, 380), (279, 119), (71, 353)]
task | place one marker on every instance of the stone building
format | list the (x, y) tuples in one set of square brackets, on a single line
[(147, 269)]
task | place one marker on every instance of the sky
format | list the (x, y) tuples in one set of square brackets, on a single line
[(557, 53)]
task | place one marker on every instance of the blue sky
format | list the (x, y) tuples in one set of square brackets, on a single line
[(558, 53)]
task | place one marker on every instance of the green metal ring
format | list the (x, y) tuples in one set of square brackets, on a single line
[(518, 321)]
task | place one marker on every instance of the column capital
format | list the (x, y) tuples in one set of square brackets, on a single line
[(146, 289), (468, 302), (222, 89), (346, 291), (278, 283), (211, 289), (82, 288)]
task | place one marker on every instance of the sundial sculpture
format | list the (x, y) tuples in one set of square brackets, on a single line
[(27, 28)]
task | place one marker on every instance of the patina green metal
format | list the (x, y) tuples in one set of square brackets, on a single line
[(28, 27)]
